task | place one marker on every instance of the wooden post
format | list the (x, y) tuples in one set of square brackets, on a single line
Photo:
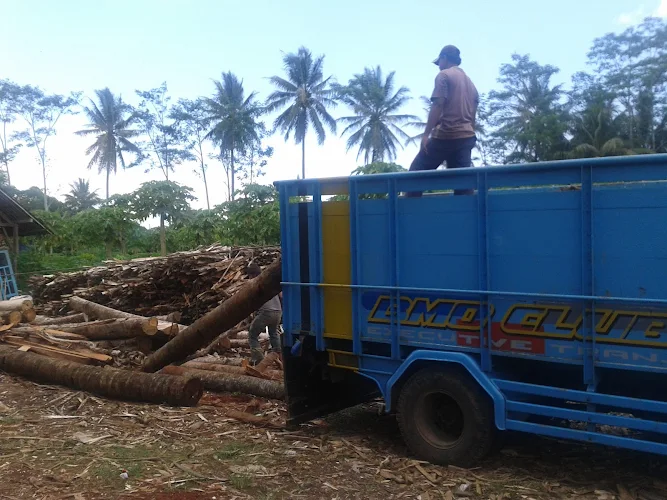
[(16, 251)]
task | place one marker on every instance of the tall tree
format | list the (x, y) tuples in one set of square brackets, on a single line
[(9, 147), (307, 95), (594, 129), (165, 139), (529, 119), (164, 199), (109, 120), (80, 197), (234, 120), (633, 65), (256, 157), (192, 117), (375, 126), (41, 113)]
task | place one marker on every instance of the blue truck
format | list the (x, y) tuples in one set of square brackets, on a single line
[(537, 304)]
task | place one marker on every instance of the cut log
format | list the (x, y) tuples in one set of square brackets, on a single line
[(102, 312), (216, 360), (239, 370), (28, 316), (61, 320), (110, 329), (229, 382), (107, 381), (16, 305), (11, 317), (232, 311)]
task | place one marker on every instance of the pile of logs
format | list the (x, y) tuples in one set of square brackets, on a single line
[(187, 283), (183, 360)]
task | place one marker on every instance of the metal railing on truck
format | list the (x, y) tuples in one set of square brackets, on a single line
[(548, 287)]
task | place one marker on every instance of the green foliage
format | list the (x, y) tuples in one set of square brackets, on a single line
[(80, 197), (529, 118), (196, 228), (375, 126), (109, 120), (166, 199), (253, 218), (306, 94), (33, 198), (378, 167)]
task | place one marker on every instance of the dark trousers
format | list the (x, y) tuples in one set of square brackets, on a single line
[(457, 153)]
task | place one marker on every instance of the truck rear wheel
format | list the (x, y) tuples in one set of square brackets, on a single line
[(445, 417)]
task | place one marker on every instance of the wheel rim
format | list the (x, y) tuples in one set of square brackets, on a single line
[(439, 419)]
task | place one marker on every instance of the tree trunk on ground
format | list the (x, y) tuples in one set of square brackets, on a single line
[(94, 310), (110, 329), (28, 316), (227, 382), (163, 237), (16, 305), (239, 370), (62, 320), (231, 312), (11, 317), (216, 361), (109, 382)]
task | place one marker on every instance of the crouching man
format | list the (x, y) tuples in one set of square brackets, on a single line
[(269, 315)]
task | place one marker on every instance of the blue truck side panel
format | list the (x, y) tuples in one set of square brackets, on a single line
[(549, 269)]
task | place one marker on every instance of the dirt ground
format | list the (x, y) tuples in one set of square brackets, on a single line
[(62, 444)]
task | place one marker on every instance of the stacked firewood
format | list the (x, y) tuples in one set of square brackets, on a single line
[(187, 283), (209, 354)]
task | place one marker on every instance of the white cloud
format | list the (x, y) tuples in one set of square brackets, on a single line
[(634, 17), (661, 11)]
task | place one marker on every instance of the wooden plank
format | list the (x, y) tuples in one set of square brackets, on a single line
[(80, 352), (54, 353)]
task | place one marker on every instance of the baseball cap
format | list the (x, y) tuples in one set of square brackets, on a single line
[(450, 52)]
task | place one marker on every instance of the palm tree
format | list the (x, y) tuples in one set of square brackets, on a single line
[(307, 95), (374, 127), (234, 120), (108, 120), (80, 197)]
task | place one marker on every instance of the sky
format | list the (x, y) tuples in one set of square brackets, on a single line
[(73, 45)]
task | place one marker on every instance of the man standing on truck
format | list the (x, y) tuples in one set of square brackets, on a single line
[(269, 315), (450, 128)]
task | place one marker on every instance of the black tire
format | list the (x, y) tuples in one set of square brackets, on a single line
[(446, 418)]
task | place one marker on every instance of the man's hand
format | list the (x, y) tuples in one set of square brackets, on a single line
[(424, 146)]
